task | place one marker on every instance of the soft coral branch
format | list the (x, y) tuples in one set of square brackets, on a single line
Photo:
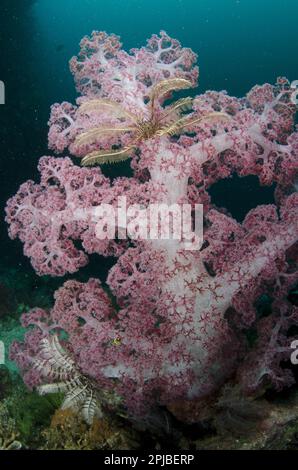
[(178, 329)]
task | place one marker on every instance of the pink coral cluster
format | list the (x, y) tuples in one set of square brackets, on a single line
[(178, 330)]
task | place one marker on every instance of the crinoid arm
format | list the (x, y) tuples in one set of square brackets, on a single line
[(76, 395), (89, 137), (54, 360), (186, 123), (175, 110), (101, 156), (166, 86), (105, 105), (59, 387), (91, 408), (206, 117)]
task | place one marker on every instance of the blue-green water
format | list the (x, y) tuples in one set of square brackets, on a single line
[(239, 42)]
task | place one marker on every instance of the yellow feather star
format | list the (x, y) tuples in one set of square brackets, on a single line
[(158, 124)]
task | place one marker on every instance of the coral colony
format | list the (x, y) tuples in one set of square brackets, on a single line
[(171, 324)]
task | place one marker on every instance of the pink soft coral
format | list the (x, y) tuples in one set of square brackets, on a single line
[(178, 331)]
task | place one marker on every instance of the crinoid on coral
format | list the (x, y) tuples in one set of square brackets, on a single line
[(56, 364), (155, 122)]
